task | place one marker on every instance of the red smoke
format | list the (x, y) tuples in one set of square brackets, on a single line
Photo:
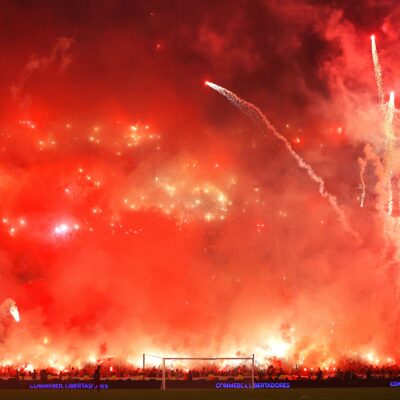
[(140, 213)]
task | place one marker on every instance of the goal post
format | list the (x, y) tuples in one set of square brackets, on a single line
[(164, 359)]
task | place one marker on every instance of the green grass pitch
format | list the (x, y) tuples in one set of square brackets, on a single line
[(199, 394)]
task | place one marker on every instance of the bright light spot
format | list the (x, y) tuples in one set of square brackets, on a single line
[(61, 229), (29, 368), (278, 348), (29, 124), (15, 313), (221, 198), (209, 217), (370, 356), (92, 359)]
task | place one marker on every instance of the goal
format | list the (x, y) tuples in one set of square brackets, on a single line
[(164, 359)]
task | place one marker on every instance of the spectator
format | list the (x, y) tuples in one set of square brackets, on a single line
[(97, 378)]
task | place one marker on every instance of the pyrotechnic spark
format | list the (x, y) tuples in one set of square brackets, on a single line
[(181, 192), (28, 124), (386, 203), (388, 157), (378, 71), (14, 312), (389, 117), (278, 348), (257, 115), (61, 229), (189, 191), (64, 228), (9, 307)]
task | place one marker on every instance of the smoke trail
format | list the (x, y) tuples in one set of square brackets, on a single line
[(389, 118), (388, 126), (378, 71), (257, 115), (388, 158), (390, 223), (363, 164)]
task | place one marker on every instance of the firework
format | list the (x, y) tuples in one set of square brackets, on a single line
[(378, 71), (257, 115), (9, 307), (136, 217), (15, 313)]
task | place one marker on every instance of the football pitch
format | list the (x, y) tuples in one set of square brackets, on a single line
[(199, 394)]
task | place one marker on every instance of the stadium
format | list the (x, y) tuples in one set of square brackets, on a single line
[(199, 199)]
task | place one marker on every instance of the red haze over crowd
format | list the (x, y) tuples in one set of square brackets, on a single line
[(140, 212)]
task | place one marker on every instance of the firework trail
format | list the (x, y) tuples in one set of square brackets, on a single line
[(378, 71), (388, 127), (389, 118), (388, 158), (257, 115), (363, 164), (9, 307)]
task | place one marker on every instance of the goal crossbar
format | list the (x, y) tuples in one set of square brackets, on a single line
[(207, 358)]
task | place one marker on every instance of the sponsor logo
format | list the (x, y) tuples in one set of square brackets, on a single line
[(258, 385)]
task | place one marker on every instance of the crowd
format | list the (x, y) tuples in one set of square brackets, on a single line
[(243, 372)]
